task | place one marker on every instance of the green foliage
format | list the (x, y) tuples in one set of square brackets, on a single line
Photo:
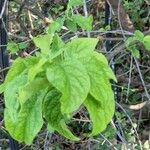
[(28, 119), (74, 3), (43, 42), (146, 42), (84, 22), (14, 47), (137, 11), (71, 20), (100, 112), (56, 25), (65, 77), (53, 85), (133, 42), (54, 116), (61, 85)]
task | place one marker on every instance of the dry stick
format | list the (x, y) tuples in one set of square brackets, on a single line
[(119, 135), (86, 14), (33, 10), (130, 74), (127, 33), (108, 142), (17, 36), (30, 20), (94, 140), (119, 19), (141, 77), (2, 70), (46, 141)]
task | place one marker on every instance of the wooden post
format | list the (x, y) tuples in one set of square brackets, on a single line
[(3, 37)]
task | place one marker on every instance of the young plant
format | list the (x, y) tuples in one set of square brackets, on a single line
[(138, 38), (53, 85), (49, 88)]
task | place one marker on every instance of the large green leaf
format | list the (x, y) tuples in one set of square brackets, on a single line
[(18, 66), (28, 122), (100, 73), (100, 64), (31, 88), (11, 94), (72, 80), (80, 47), (52, 113), (98, 114)]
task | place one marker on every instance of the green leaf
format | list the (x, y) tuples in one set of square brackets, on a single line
[(13, 47), (100, 73), (56, 25), (99, 114), (129, 41), (100, 60), (71, 79), (2, 88), (139, 35), (30, 61), (37, 68), (53, 115), (57, 46), (135, 52), (71, 25), (31, 88), (22, 45), (80, 47), (18, 66), (75, 3), (29, 120), (84, 22), (11, 94), (43, 42), (147, 42), (57, 43), (50, 128), (102, 98)]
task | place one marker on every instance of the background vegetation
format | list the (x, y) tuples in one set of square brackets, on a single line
[(130, 59)]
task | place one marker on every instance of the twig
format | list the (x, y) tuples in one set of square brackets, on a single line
[(130, 74), (86, 13), (30, 20), (141, 77), (120, 24), (2, 70), (80, 120)]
